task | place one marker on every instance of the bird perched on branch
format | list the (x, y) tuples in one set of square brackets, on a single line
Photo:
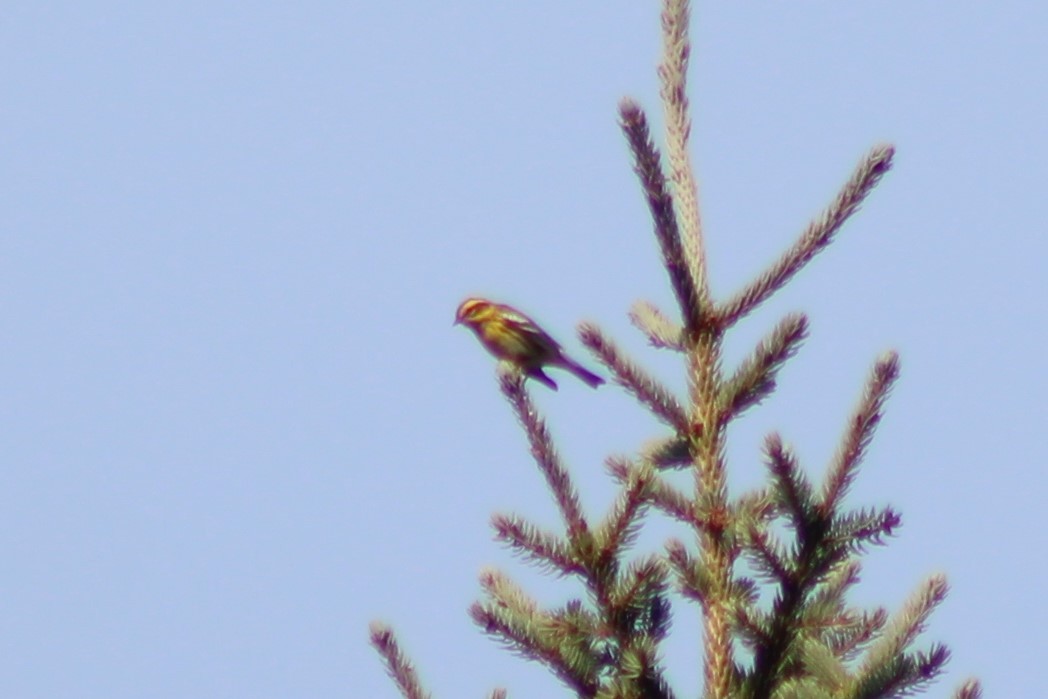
[(513, 337)]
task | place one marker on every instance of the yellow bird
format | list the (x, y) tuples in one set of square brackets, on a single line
[(512, 336)]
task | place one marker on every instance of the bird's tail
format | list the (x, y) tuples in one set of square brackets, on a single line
[(539, 375), (591, 379)]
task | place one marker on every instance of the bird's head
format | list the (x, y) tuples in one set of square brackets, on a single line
[(472, 311)]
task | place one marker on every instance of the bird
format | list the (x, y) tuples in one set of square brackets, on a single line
[(515, 338)]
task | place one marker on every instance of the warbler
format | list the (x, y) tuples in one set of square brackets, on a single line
[(514, 337)]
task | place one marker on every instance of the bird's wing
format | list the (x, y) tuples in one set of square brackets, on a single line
[(528, 327)]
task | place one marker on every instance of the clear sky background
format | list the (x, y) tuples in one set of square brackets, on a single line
[(237, 422)]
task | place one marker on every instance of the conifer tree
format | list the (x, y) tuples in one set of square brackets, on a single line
[(787, 632)]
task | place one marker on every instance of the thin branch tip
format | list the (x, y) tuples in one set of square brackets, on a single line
[(380, 631), (889, 362), (629, 108), (882, 156)]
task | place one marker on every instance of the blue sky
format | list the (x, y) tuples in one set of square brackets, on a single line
[(238, 424)]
